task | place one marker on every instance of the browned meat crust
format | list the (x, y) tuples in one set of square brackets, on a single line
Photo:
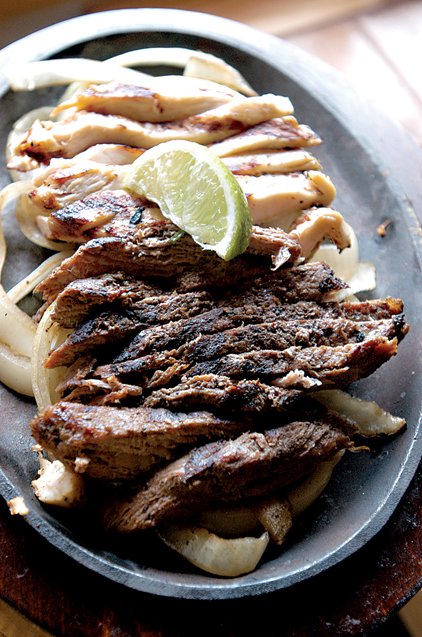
[(156, 249), (104, 213), (82, 296), (322, 366), (225, 394), (276, 336), (123, 443), (221, 319), (249, 466), (309, 282), (136, 312), (108, 326)]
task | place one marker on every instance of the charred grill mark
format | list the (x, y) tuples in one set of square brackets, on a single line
[(137, 216)]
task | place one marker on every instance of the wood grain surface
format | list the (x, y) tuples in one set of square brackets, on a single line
[(349, 599)]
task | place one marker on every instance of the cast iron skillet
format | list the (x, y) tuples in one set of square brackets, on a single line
[(377, 170)]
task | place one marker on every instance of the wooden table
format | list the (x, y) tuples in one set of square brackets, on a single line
[(350, 598), (364, 590)]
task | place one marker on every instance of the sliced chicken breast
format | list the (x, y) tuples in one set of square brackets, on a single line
[(161, 99), (68, 137)]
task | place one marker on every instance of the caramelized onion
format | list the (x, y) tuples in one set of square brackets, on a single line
[(214, 554), (370, 419)]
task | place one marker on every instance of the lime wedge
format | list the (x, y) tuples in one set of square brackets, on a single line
[(197, 192)]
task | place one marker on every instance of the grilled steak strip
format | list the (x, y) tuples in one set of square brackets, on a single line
[(192, 345), (217, 393), (278, 335), (153, 252), (329, 366), (174, 335), (109, 327), (308, 282), (312, 281), (226, 395), (98, 392), (249, 466), (326, 366), (335, 366), (82, 296), (123, 443)]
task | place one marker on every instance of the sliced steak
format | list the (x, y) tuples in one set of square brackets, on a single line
[(336, 366), (225, 382), (109, 326), (93, 391), (278, 335), (123, 443), (223, 471), (174, 335), (312, 281), (225, 394), (82, 296), (156, 249)]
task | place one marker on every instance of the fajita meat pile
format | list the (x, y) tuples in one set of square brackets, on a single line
[(195, 382), (189, 383)]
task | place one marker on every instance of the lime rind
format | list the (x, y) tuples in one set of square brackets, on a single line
[(197, 192)]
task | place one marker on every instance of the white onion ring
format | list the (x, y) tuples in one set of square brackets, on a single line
[(195, 63), (26, 286), (214, 554), (44, 381)]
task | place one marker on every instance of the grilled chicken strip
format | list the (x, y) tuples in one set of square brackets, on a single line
[(276, 200), (162, 99), (280, 132), (65, 181), (66, 186), (70, 136), (103, 214), (274, 162), (273, 200), (313, 226), (124, 443), (249, 466)]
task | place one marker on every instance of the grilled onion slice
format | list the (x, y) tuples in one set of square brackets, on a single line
[(214, 554), (370, 418)]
